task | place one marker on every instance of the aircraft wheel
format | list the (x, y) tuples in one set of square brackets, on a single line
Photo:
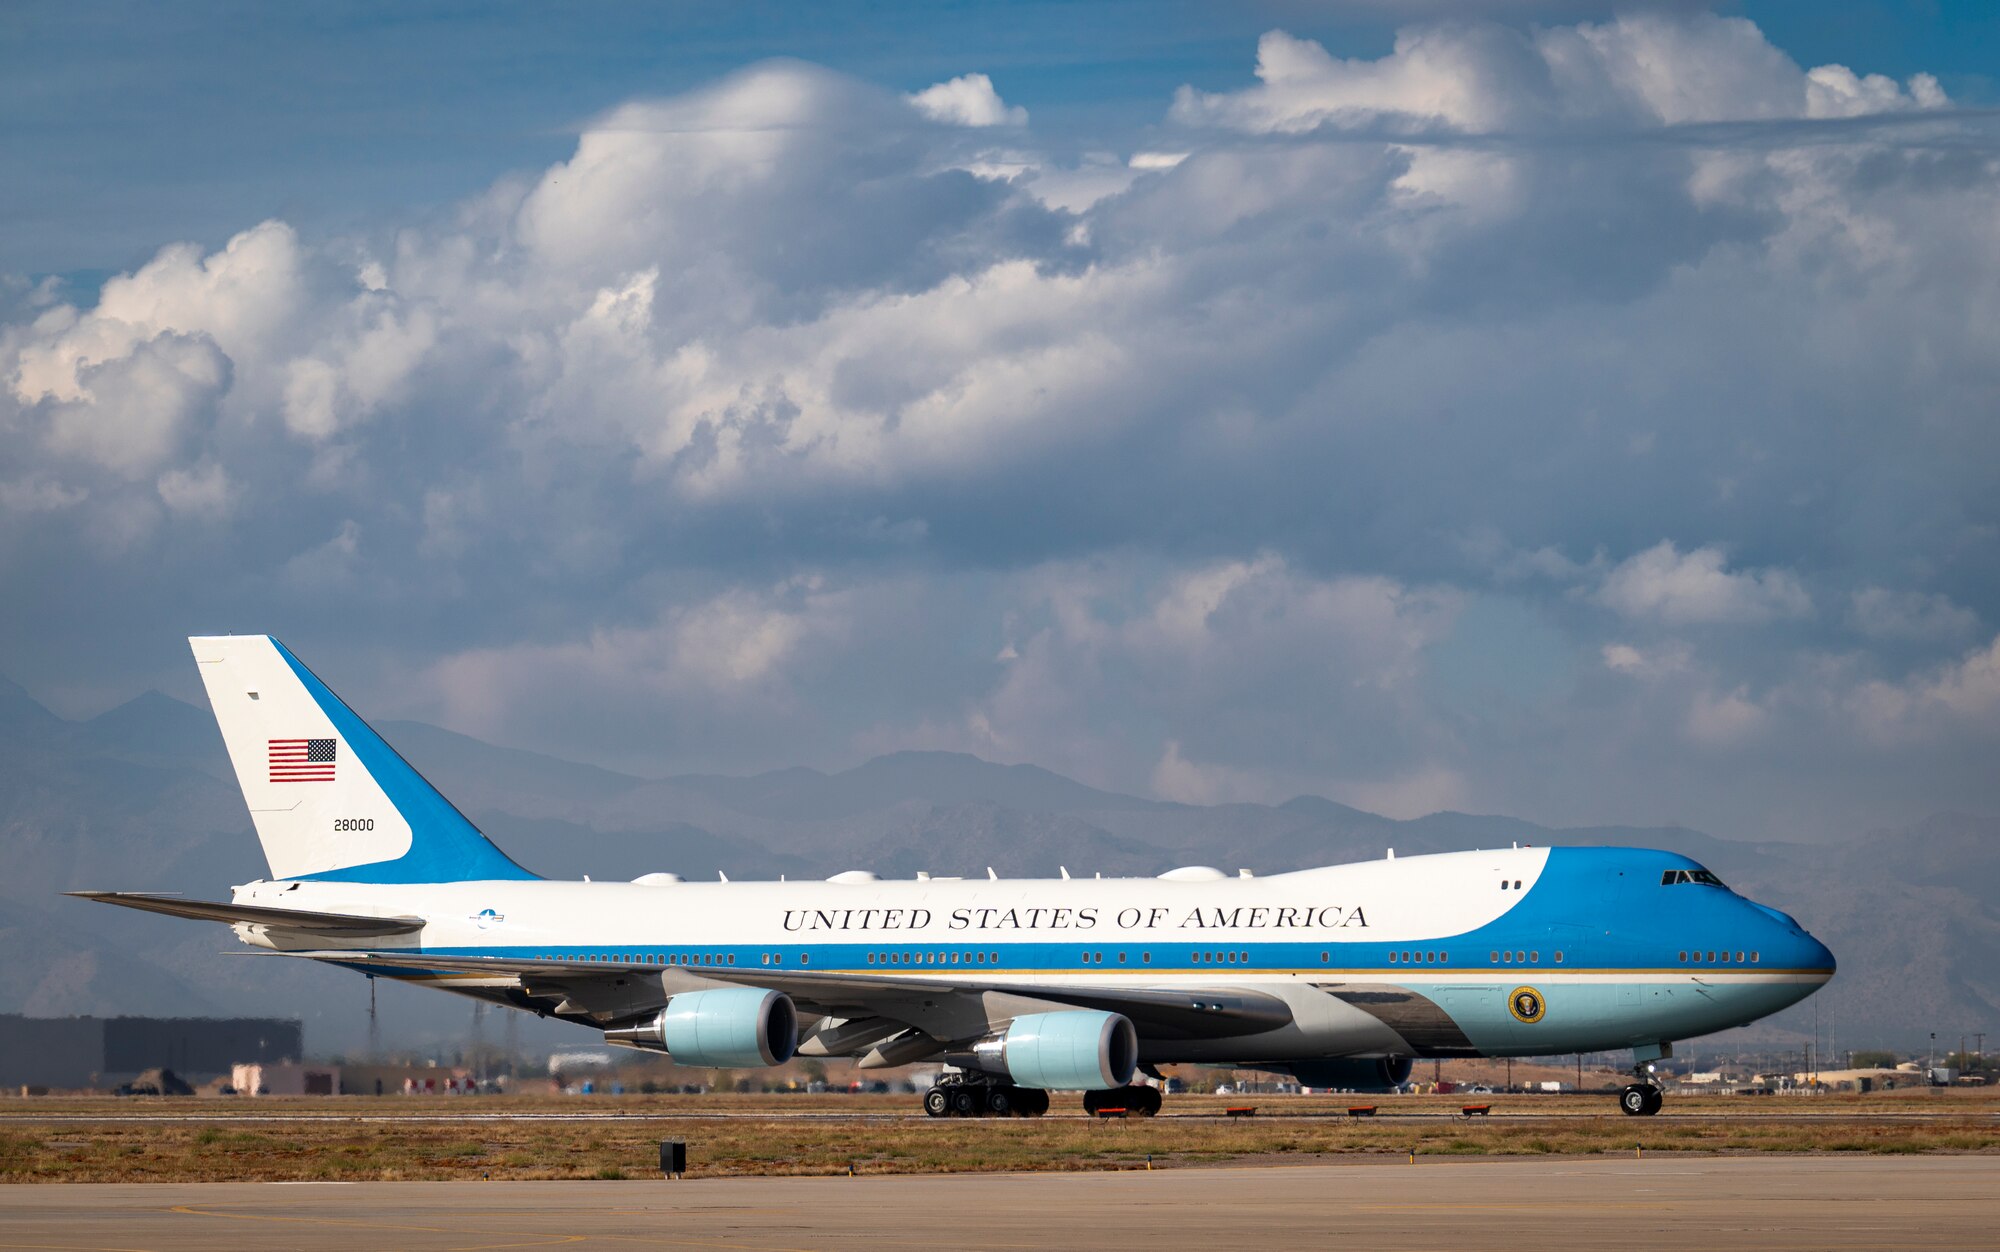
[(937, 1102), (1093, 1101), (1032, 1101), (1148, 1103), (1639, 1100), (1001, 1102), (965, 1102)]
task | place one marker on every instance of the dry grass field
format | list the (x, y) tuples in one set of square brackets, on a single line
[(529, 1137)]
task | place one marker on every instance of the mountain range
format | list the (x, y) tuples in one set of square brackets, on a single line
[(142, 797)]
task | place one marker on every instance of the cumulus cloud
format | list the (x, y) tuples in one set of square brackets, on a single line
[(791, 417), (1639, 69), (1666, 585), (1910, 615), (968, 100)]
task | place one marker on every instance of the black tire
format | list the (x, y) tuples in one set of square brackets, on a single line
[(1092, 1101), (937, 1102), (1148, 1103), (964, 1102), (1639, 1100), (1000, 1101), (1031, 1101)]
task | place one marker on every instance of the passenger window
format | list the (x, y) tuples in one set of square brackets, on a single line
[(805, 958), (1534, 958), (1146, 958)]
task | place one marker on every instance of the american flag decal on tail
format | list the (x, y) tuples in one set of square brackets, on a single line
[(302, 760)]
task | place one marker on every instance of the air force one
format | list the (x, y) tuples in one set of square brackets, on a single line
[(1341, 977)]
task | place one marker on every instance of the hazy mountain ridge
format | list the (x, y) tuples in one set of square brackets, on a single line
[(142, 797)]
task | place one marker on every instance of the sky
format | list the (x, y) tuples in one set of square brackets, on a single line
[(1577, 411)]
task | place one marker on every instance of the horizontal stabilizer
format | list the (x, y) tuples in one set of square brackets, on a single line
[(256, 915)]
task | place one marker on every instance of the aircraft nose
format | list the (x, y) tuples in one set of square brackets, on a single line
[(1791, 946)]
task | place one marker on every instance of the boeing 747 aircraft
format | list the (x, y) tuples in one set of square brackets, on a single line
[(1341, 977)]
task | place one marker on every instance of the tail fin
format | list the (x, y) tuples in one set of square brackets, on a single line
[(330, 799)]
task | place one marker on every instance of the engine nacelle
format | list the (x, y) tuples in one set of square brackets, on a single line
[(1065, 1051), (727, 1027), (1379, 1073)]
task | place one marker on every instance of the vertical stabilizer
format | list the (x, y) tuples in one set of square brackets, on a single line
[(329, 797)]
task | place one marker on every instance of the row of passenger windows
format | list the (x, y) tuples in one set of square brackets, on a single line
[(656, 958), (1719, 958), (1530, 957), (932, 958)]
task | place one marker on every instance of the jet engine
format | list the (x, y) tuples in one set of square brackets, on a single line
[(725, 1027), (1064, 1051), (1379, 1073)]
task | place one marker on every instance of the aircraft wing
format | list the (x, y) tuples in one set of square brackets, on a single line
[(948, 1010), (302, 920)]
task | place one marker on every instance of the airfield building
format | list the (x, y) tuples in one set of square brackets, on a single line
[(77, 1053)]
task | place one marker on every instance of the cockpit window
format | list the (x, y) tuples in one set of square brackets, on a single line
[(1702, 876)]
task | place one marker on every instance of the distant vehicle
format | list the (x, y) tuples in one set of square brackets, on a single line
[(1479, 1088), (1336, 977)]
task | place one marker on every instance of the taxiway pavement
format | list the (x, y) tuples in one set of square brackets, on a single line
[(1547, 1205)]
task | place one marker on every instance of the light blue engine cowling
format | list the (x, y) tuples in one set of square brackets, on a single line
[(1066, 1051), (733, 1026)]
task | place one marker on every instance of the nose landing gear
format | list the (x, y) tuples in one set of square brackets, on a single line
[(1640, 1099), (1644, 1097)]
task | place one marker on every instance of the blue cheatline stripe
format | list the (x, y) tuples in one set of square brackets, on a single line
[(444, 846), (1345, 960)]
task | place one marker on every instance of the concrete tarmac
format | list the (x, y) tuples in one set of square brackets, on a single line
[(1547, 1205)]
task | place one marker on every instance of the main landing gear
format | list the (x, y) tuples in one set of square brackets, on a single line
[(954, 1096), (1145, 1101)]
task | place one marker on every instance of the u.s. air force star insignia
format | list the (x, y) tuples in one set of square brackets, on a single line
[(1525, 1003)]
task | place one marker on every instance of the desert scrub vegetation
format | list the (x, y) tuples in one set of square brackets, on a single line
[(189, 1140)]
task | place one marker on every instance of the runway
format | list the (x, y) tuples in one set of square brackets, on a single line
[(1547, 1205)]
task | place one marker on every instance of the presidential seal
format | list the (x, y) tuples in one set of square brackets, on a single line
[(1526, 1004)]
